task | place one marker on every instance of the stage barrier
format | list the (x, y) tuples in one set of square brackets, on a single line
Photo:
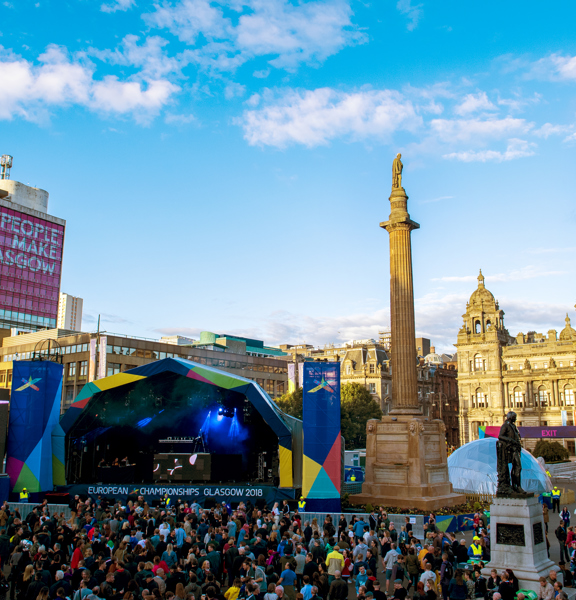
[(398, 520), (25, 508)]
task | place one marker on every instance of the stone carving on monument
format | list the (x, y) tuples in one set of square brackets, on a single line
[(517, 538), (406, 462)]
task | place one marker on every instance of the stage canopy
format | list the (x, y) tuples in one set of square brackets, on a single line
[(173, 399), (472, 469)]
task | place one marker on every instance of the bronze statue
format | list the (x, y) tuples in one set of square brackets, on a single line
[(397, 167), (509, 450)]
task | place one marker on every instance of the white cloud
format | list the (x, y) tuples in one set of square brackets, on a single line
[(175, 119), (548, 129), (555, 67), (474, 103), (30, 90), (412, 12), (516, 149), (528, 272), (150, 56), (262, 74), (315, 117), (234, 90), (112, 95), (117, 5), (291, 34), (439, 199), (570, 138), (464, 130)]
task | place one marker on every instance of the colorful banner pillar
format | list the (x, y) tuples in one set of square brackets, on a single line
[(34, 412), (322, 460)]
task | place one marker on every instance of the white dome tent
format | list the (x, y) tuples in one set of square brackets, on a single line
[(472, 469)]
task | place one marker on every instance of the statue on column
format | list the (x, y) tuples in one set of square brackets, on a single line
[(509, 450), (397, 167)]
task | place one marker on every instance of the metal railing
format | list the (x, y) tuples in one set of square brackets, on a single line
[(25, 508), (417, 521)]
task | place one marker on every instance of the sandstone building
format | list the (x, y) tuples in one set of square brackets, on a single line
[(532, 374)]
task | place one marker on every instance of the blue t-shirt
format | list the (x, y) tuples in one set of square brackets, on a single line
[(288, 577)]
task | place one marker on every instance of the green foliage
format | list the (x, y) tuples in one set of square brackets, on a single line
[(369, 507), (550, 451), (291, 403), (477, 506), (357, 407)]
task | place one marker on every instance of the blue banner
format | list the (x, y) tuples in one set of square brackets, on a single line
[(34, 412), (224, 494), (322, 466)]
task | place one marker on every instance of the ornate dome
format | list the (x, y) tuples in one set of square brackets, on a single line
[(482, 295), (568, 332)]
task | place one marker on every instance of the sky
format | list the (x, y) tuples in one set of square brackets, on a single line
[(224, 165)]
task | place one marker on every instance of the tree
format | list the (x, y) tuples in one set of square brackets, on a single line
[(291, 403), (357, 408), (550, 451)]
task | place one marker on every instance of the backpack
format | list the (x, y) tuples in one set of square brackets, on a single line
[(448, 571)]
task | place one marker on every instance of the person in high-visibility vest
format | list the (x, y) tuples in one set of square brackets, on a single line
[(548, 473), (24, 495), (556, 493), (475, 550), (301, 504), (353, 477)]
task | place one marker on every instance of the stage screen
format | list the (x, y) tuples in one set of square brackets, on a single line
[(30, 267), (182, 467)]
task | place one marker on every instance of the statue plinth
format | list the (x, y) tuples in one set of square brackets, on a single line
[(518, 540), (406, 464)]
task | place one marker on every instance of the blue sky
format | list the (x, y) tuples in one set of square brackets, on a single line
[(224, 165)]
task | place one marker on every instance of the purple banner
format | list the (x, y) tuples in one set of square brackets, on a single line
[(537, 432)]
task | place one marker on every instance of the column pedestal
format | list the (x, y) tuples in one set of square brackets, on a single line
[(518, 540), (406, 464)]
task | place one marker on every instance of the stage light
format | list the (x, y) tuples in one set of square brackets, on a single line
[(223, 411)]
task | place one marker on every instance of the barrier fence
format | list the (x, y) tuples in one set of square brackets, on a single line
[(417, 521), (25, 508)]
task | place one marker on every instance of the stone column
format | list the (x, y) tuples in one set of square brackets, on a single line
[(404, 374)]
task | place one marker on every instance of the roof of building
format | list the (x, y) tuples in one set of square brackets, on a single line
[(568, 332), (481, 294)]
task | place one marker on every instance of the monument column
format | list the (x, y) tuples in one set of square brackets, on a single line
[(406, 463), (404, 357)]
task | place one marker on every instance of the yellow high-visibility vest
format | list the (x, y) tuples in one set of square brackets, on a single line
[(556, 493), (301, 504), (477, 549), (23, 495)]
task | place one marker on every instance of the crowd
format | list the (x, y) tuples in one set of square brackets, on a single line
[(179, 551)]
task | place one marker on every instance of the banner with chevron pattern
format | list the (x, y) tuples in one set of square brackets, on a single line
[(322, 450)]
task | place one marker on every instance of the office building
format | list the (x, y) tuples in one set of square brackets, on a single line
[(31, 247), (90, 356), (70, 313), (533, 374)]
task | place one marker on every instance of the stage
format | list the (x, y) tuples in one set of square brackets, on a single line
[(179, 428), (202, 494)]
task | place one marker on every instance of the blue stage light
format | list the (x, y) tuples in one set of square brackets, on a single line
[(144, 422)]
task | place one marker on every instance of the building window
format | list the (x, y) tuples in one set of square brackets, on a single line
[(478, 363), (2, 377), (113, 369), (279, 388), (72, 369), (372, 388), (542, 396), (348, 369), (568, 396), (481, 400), (477, 327), (83, 368), (517, 403), (372, 368)]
